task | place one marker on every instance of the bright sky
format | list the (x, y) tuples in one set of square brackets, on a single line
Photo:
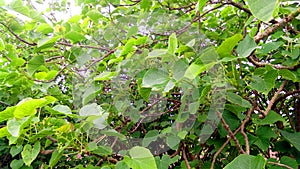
[(73, 9)]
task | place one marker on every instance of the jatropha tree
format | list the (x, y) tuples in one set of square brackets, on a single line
[(149, 84)]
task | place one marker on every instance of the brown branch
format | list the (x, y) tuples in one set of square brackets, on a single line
[(291, 93), (46, 152), (227, 128), (97, 60), (185, 157), (51, 139), (276, 26), (238, 5), (254, 105), (272, 101), (53, 58), (47, 81), (279, 164), (180, 31), (253, 59), (17, 36), (222, 148), (83, 46)]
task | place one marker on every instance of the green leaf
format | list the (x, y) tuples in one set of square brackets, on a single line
[(266, 83), (63, 109), (91, 110), (268, 47), (105, 76), (7, 113), (200, 5), (225, 49), (245, 161), (114, 133), (172, 44), (128, 47), (236, 99), (271, 118), (2, 46), (287, 74), (30, 153), (263, 9), (142, 157), (14, 126), (293, 138), (208, 55), (55, 157), (74, 36), (154, 77), (95, 15), (103, 151), (146, 5), (173, 141), (132, 31), (47, 42), (16, 149), (44, 28), (194, 70), (16, 164), (17, 62), (27, 107), (4, 132), (156, 53), (35, 63), (246, 47), (289, 161), (19, 7), (122, 165), (149, 137)]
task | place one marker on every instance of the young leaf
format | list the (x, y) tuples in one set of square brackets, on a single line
[(172, 44), (74, 36), (263, 9), (142, 157), (30, 153)]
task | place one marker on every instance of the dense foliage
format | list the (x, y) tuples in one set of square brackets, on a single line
[(150, 84)]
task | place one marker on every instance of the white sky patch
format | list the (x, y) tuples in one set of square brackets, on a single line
[(44, 8)]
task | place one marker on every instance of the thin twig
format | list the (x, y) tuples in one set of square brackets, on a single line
[(227, 128), (279, 164), (17, 36), (254, 105), (83, 46), (185, 158), (272, 101), (238, 5)]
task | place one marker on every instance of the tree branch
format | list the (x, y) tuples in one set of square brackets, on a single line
[(227, 128), (272, 101)]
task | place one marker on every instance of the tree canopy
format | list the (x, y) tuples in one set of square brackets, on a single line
[(119, 84)]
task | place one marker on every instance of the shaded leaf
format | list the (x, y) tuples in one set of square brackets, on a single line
[(246, 47), (245, 161), (225, 49), (293, 138)]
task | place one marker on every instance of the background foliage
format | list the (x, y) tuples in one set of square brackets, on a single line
[(149, 84)]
